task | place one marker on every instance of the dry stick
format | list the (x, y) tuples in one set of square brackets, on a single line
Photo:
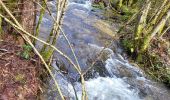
[(21, 29), (50, 61), (72, 50), (64, 37), (30, 35), (130, 20), (43, 8), (42, 12), (48, 10), (142, 21), (106, 46), (156, 29), (81, 74), (54, 32), (155, 18), (59, 16), (164, 10), (47, 67), (28, 40), (40, 4), (84, 95), (99, 57), (165, 31)]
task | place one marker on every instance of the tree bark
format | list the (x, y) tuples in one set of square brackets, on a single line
[(28, 16)]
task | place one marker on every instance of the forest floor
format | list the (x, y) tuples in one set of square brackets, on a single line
[(158, 58), (19, 78)]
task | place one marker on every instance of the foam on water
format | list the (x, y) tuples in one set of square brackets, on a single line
[(114, 87), (106, 88), (83, 3), (110, 88)]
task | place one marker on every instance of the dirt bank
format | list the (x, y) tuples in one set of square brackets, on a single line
[(19, 78)]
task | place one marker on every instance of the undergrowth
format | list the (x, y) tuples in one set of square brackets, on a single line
[(155, 60)]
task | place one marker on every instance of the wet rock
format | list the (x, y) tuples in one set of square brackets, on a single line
[(105, 28), (97, 70), (61, 67), (122, 68), (147, 89), (124, 72), (88, 34), (141, 85)]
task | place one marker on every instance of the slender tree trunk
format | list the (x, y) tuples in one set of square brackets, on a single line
[(28, 15), (157, 28), (0, 25), (42, 12)]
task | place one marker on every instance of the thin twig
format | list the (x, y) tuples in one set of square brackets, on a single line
[(84, 95), (22, 30), (28, 40)]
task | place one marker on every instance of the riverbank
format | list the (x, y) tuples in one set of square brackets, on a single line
[(19, 77), (89, 34), (104, 66), (155, 60)]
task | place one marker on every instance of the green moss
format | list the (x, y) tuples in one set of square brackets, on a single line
[(124, 18), (47, 54), (100, 5), (154, 64), (20, 78), (128, 10), (128, 45), (26, 51)]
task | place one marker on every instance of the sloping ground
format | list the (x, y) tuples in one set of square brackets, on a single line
[(160, 59), (18, 77)]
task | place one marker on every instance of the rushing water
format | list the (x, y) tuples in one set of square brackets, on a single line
[(112, 77)]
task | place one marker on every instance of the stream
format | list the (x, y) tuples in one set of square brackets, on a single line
[(112, 77)]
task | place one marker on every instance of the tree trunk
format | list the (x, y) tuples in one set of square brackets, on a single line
[(28, 15), (0, 26)]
